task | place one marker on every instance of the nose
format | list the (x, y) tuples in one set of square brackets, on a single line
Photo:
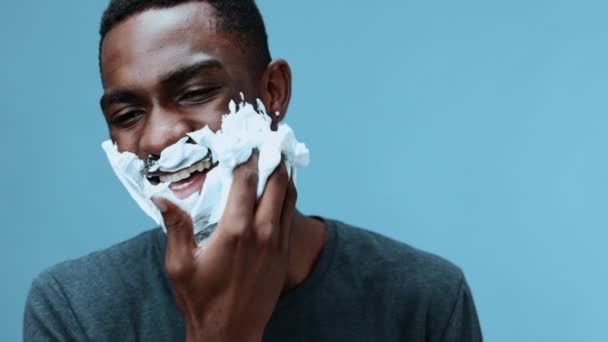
[(162, 128)]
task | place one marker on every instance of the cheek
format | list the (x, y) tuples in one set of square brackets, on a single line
[(211, 113), (126, 141), (210, 116)]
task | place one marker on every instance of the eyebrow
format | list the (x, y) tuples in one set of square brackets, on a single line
[(118, 96), (172, 79), (185, 73)]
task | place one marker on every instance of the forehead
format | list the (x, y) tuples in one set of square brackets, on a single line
[(145, 45)]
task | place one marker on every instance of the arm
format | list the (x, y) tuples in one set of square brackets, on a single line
[(48, 315)]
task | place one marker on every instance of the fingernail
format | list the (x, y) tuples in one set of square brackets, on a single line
[(160, 204)]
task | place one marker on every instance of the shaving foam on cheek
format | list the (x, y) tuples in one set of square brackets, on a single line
[(243, 129)]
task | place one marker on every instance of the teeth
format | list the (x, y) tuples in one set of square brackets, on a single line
[(181, 186), (185, 173)]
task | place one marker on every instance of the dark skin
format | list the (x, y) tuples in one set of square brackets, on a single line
[(170, 71)]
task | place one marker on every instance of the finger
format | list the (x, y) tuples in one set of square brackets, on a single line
[(181, 243), (268, 212), (287, 214), (242, 197)]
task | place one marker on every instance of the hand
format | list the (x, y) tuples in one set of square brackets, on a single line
[(228, 289)]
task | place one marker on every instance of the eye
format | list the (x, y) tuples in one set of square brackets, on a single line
[(197, 95), (127, 118)]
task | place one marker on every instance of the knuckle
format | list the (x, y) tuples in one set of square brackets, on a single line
[(265, 233), (238, 229), (178, 220), (248, 175), (177, 271), (232, 235)]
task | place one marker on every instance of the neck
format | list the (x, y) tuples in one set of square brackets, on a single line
[(307, 240)]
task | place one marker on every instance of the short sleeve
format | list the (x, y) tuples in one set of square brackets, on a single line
[(48, 315), (463, 323)]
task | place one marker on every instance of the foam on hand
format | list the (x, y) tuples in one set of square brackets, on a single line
[(243, 129)]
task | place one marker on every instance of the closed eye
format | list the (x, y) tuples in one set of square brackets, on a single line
[(127, 118), (197, 95)]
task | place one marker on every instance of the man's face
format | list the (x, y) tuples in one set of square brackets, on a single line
[(172, 71), (167, 72)]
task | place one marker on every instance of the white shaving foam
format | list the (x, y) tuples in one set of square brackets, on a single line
[(243, 129)]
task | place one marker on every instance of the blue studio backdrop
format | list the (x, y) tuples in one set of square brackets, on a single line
[(472, 129)]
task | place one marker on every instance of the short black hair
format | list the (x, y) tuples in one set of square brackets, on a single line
[(239, 17)]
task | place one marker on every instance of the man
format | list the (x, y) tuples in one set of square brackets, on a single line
[(268, 272)]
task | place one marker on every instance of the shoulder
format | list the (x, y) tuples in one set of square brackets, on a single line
[(416, 290), (374, 252), (379, 264), (100, 267), (98, 279), (95, 295)]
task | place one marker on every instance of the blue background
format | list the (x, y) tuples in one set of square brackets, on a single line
[(473, 129)]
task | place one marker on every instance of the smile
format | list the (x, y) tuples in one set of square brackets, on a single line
[(186, 181), (177, 176)]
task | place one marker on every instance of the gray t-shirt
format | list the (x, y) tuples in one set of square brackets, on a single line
[(365, 287)]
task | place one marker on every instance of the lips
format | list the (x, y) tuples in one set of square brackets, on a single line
[(186, 187), (186, 181)]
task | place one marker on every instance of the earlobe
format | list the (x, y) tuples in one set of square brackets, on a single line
[(276, 89)]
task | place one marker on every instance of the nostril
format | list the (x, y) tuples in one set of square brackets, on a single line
[(154, 180), (150, 162), (153, 157)]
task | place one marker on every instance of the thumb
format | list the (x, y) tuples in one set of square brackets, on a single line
[(180, 238)]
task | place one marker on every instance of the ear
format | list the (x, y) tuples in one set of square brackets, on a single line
[(275, 90)]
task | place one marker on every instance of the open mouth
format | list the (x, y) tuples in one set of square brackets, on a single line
[(186, 181)]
